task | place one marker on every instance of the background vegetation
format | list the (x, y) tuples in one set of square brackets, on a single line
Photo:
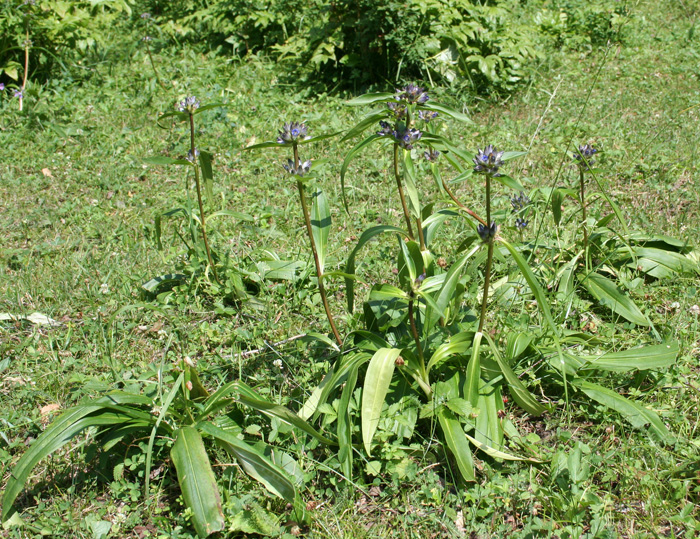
[(79, 206)]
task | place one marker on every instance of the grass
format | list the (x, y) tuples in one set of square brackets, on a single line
[(78, 208)]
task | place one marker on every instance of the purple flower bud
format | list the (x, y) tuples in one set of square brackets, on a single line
[(427, 115), (585, 157), (431, 155), (2, 86), (487, 233), (412, 94), (189, 104), (299, 170), (189, 155), (19, 94)]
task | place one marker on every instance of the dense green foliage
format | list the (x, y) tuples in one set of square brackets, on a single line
[(490, 47)]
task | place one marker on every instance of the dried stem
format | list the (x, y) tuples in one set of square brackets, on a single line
[(462, 206)]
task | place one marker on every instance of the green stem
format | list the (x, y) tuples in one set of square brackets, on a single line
[(397, 175), (314, 251), (416, 338), (199, 200), (489, 258), (153, 65), (421, 238), (584, 213), (26, 69)]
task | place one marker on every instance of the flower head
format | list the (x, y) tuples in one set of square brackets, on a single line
[(427, 115), (397, 109), (2, 86), (18, 94), (585, 156), (519, 202), (406, 137), (431, 155), (412, 94), (292, 132), (488, 161), (189, 155), (148, 38), (521, 224), (189, 104), (145, 15), (487, 233), (299, 170)]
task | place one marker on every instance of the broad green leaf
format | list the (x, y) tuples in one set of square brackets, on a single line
[(458, 344), (245, 395), (557, 199), (433, 223), (373, 118), (168, 280), (320, 226), (197, 481), (408, 260), (377, 380), (473, 377), (457, 442), (489, 427), (507, 156), (517, 344), (163, 412), (162, 160), (345, 424), (208, 106), (447, 291), (445, 111), (410, 183), (656, 356), (509, 182), (519, 392), (205, 159), (368, 99), (346, 163), (230, 213), (366, 236), (495, 453), (635, 413), (661, 263), (253, 462), (60, 432), (608, 294)]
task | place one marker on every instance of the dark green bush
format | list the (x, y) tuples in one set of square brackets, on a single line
[(488, 47), (55, 30)]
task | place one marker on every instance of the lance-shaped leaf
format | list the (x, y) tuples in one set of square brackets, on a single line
[(368, 99), (253, 462), (197, 481), (457, 442), (320, 226), (345, 424), (519, 392), (656, 356), (635, 413), (609, 295), (346, 163), (205, 159), (445, 111), (111, 411), (377, 380), (366, 236)]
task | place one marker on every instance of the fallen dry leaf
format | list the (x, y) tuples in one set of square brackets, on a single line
[(46, 172)]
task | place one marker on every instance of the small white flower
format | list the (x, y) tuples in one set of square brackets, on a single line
[(104, 288), (277, 363), (695, 310)]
